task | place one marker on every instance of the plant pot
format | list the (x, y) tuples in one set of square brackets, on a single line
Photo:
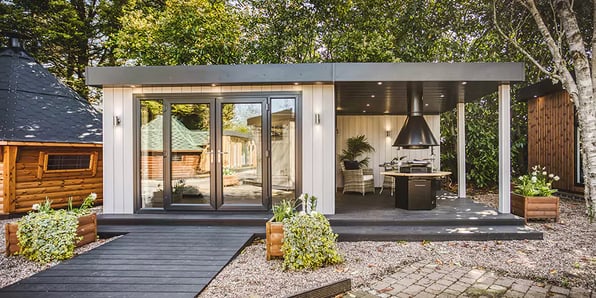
[(229, 180), (87, 229), (274, 232), (535, 207)]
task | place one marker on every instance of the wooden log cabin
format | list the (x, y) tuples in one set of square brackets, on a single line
[(553, 136), (50, 137)]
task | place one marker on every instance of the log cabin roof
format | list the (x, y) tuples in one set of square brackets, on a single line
[(37, 107)]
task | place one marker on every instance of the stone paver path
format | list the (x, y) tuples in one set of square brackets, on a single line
[(424, 279)]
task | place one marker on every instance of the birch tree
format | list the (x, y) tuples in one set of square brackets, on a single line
[(572, 63)]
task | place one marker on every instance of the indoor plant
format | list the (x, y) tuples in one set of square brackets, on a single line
[(532, 196), (356, 146)]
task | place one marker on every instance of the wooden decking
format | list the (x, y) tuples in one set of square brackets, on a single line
[(148, 261)]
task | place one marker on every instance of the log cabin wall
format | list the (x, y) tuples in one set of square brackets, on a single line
[(33, 185), (551, 138), (1, 180)]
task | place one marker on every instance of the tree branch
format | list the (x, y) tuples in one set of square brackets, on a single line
[(520, 48), (555, 50)]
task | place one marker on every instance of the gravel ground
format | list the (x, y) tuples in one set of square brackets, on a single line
[(15, 268), (566, 257)]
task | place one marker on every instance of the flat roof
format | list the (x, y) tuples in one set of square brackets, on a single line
[(444, 84), (303, 73)]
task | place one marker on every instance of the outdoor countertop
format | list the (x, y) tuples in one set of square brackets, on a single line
[(433, 174)]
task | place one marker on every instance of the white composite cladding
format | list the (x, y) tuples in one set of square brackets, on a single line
[(318, 140)]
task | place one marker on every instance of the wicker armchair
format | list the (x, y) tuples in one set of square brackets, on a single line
[(361, 180)]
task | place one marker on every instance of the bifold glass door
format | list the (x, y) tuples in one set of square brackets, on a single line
[(216, 154)]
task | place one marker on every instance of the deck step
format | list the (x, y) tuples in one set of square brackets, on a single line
[(505, 220), (435, 233)]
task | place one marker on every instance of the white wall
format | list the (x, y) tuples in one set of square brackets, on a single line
[(318, 157), (374, 128)]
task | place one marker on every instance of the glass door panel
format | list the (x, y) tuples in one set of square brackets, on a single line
[(151, 155), (283, 149), (240, 153), (191, 158)]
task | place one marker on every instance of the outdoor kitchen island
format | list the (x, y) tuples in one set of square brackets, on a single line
[(416, 191)]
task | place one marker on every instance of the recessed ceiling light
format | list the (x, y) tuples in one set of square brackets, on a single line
[(339, 108), (463, 83), (213, 85), (368, 104), (535, 96), (379, 83), (372, 96), (426, 105), (296, 83), (363, 111)]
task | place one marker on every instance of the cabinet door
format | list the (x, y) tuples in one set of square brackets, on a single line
[(420, 194)]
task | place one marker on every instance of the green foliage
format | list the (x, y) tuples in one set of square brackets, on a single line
[(182, 32), (357, 146), (285, 209), (48, 234), (68, 35), (536, 184), (309, 242)]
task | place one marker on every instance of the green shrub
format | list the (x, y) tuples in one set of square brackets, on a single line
[(47, 236), (309, 242)]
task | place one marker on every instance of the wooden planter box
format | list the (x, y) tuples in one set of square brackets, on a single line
[(535, 207), (229, 180), (87, 229), (274, 232)]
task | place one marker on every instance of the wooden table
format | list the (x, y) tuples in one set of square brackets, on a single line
[(416, 191)]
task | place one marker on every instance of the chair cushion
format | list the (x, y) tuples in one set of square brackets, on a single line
[(367, 177), (351, 165)]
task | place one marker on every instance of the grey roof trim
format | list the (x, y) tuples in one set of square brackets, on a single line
[(303, 73)]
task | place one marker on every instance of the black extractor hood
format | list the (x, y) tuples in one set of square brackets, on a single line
[(415, 134)]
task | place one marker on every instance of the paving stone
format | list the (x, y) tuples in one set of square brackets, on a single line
[(489, 280), (497, 288), (519, 287), (416, 276), (467, 280), (359, 294), (406, 281), (402, 295), (559, 290), (438, 287), (425, 282), (425, 295), (514, 294), (480, 286), (413, 290), (397, 288), (579, 292), (460, 287), (435, 276), (524, 282), (537, 289), (475, 273), (504, 281), (444, 281), (380, 285)]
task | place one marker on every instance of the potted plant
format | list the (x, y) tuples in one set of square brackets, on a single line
[(274, 229), (229, 177), (45, 234), (357, 146), (533, 195)]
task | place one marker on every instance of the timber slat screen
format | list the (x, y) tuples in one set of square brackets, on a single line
[(152, 261), (551, 139)]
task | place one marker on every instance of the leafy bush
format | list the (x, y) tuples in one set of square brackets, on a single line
[(309, 242), (285, 209), (48, 234)]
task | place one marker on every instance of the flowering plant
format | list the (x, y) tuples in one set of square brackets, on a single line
[(536, 184)]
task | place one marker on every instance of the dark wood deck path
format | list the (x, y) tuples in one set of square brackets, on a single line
[(148, 261)]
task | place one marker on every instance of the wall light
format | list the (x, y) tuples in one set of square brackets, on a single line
[(388, 133), (117, 120), (317, 118)]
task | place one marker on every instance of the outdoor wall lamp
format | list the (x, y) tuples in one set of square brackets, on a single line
[(388, 133), (117, 120), (317, 118)]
